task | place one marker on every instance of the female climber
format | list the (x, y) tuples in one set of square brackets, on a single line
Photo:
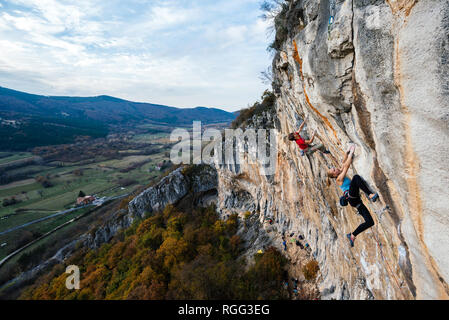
[(306, 145), (351, 190)]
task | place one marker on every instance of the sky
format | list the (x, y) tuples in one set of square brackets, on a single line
[(173, 52)]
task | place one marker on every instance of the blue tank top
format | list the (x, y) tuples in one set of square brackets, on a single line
[(346, 184)]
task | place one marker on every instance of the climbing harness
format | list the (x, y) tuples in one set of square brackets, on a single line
[(331, 18), (344, 199)]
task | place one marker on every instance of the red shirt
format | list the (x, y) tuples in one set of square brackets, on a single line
[(301, 143)]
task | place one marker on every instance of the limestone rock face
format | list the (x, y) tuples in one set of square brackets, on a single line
[(378, 77), (169, 190), (117, 221), (172, 188)]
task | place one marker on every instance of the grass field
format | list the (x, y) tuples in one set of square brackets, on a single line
[(18, 184), (152, 138), (38, 228), (13, 156)]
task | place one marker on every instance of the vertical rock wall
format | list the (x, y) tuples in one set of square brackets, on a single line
[(377, 76)]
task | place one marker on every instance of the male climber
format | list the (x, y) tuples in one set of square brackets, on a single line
[(306, 145)]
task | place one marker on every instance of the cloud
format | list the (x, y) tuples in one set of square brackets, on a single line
[(177, 52)]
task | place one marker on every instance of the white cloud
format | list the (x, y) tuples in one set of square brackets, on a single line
[(208, 54), (236, 33)]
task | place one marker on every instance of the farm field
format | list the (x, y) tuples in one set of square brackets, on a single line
[(101, 176), (8, 157), (34, 231)]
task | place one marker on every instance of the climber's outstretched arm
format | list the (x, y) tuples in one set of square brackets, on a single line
[(345, 157), (302, 125), (345, 168), (311, 139)]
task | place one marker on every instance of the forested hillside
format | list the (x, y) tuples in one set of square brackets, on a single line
[(176, 254)]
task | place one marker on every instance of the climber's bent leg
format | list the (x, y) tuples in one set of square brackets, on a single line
[(369, 222), (323, 149), (358, 183), (313, 149)]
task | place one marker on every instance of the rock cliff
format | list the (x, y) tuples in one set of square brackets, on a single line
[(375, 75), (371, 72)]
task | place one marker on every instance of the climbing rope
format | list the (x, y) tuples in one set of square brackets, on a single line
[(379, 244)]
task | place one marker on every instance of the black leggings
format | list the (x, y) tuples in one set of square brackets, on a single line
[(358, 183)]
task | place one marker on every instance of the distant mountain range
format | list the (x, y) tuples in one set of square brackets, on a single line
[(104, 109), (60, 119)]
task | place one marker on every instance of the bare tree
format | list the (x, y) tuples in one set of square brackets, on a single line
[(266, 76), (271, 8), (274, 13)]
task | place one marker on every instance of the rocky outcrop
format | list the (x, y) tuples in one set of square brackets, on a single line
[(200, 180), (172, 188), (376, 76), (117, 221)]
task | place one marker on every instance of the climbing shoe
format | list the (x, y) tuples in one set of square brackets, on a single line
[(375, 197), (326, 152), (350, 240)]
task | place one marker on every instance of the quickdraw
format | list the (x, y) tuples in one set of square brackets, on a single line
[(331, 18)]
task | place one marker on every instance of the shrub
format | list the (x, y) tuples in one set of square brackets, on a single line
[(232, 223), (125, 202), (44, 181), (26, 237), (245, 115), (310, 270), (235, 245), (10, 201), (153, 239), (126, 182), (266, 275), (219, 227), (31, 258)]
